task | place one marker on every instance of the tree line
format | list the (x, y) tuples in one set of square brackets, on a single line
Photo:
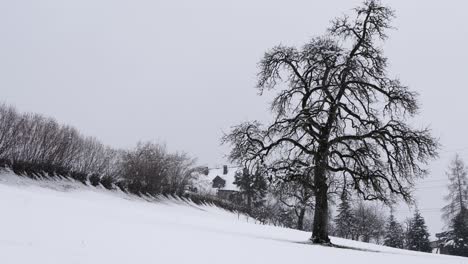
[(285, 204), (288, 204), (35, 139), (367, 223), (40, 147)]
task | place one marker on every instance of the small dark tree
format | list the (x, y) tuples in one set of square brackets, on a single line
[(418, 236), (344, 221), (337, 109), (394, 235), (252, 185), (458, 241)]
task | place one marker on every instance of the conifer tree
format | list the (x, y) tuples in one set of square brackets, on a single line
[(418, 236), (459, 241), (252, 185), (394, 236), (458, 190), (344, 221), (456, 212)]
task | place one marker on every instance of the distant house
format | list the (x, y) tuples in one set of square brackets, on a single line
[(220, 182), (439, 246)]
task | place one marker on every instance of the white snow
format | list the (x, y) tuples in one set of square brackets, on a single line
[(64, 223)]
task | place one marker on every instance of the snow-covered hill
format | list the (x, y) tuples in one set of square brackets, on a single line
[(45, 223)]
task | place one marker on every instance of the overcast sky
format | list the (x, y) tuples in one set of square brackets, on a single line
[(182, 72)]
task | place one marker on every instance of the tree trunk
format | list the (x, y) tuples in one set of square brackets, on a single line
[(320, 226), (300, 219)]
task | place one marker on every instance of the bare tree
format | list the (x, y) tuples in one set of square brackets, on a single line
[(40, 141), (181, 172), (337, 109), (36, 144), (150, 168), (295, 196), (9, 130)]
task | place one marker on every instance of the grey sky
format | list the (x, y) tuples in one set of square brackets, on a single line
[(184, 71)]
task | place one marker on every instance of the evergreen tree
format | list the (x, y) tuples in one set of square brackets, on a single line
[(418, 237), (458, 190), (456, 212), (252, 185), (394, 236), (344, 221), (458, 244)]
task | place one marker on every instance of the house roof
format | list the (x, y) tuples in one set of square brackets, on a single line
[(229, 177), (204, 182)]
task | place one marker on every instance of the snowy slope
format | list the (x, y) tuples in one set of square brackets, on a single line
[(47, 223)]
